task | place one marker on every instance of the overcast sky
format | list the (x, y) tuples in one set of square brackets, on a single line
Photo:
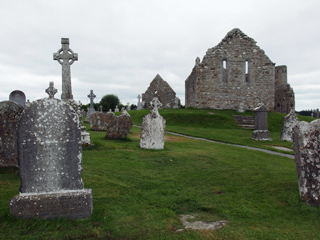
[(123, 44)]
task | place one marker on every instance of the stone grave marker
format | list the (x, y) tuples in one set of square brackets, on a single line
[(261, 124), (120, 126), (18, 97), (116, 109), (288, 123), (128, 107), (139, 103), (66, 57), (10, 113), (176, 103), (153, 128), (101, 121), (306, 144), (91, 110), (50, 163)]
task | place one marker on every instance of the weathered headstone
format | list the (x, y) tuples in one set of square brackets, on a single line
[(18, 97), (116, 109), (123, 109), (120, 126), (153, 128), (10, 113), (100, 107), (50, 163), (288, 123), (101, 121), (306, 144), (176, 103), (261, 124), (139, 103), (128, 107), (66, 57), (91, 96), (241, 108)]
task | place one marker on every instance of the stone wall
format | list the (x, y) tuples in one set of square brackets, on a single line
[(234, 72)]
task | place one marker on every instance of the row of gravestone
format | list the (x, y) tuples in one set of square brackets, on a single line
[(152, 129), (306, 143), (44, 139)]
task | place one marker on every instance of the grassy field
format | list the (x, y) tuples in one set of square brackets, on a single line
[(139, 194)]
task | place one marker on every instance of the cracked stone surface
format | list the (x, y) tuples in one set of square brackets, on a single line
[(200, 225)]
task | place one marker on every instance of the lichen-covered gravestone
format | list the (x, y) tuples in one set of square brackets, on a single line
[(10, 113), (288, 123), (101, 121), (153, 128), (120, 126), (261, 124), (50, 163), (306, 144)]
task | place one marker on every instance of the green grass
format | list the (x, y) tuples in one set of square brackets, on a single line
[(139, 193)]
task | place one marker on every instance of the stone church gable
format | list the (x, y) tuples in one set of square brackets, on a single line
[(234, 72), (160, 89)]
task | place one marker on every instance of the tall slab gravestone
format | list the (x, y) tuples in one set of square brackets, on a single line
[(153, 128), (139, 107), (10, 113), (261, 124), (306, 144), (50, 163), (288, 123), (18, 97), (66, 57)]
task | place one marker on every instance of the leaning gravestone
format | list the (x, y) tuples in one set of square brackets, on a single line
[(18, 97), (101, 121), (261, 124), (50, 163), (288, 123), (306, 144), (10, 113), (153, 128), (120, 126)]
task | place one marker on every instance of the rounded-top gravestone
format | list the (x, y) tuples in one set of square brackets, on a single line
[(18, 97)]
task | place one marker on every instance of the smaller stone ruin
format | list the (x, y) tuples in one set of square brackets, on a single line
[(306, 144), (120, 126), (153, 128), (289, 122), (261, 124)]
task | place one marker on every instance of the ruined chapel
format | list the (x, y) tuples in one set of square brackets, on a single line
[(237, 73)]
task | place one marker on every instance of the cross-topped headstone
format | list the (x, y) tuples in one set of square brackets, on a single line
[(91, 96), (155, 103), (51, 90), (139, 103), (100, 108), (66, 57)]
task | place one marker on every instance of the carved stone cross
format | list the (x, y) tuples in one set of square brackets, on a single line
[(155, 103), (51, 90), (91, 96), (66, 57)]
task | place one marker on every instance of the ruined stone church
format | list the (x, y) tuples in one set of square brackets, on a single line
[(237, 73)]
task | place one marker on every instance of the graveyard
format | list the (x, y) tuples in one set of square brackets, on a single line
[(142, 193)]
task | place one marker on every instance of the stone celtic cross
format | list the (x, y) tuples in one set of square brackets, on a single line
[(51, 90), (91, 96), (66, 57), (155, 103)]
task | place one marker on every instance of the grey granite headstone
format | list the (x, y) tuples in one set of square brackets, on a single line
[(120, 126), (153, 128), (306, 144), (139, 103), (116, 109), (261, 124), (288, 123), (176, 103), (10, 113), (66, 57), (50, 163), (18, 97)]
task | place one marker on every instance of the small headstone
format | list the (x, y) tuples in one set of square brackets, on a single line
[(306, 144), (128, 107), (110, 110), (10, 113), (261, 124), (91, 110), (100, 107), (66, 57), (312, 114), (289, 122), (241, 108), (139, 103), (101, 121), (50, 163), (153, 128), (116, 109), (176, 103), (18, 97), (123, 109), (120, 126)]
